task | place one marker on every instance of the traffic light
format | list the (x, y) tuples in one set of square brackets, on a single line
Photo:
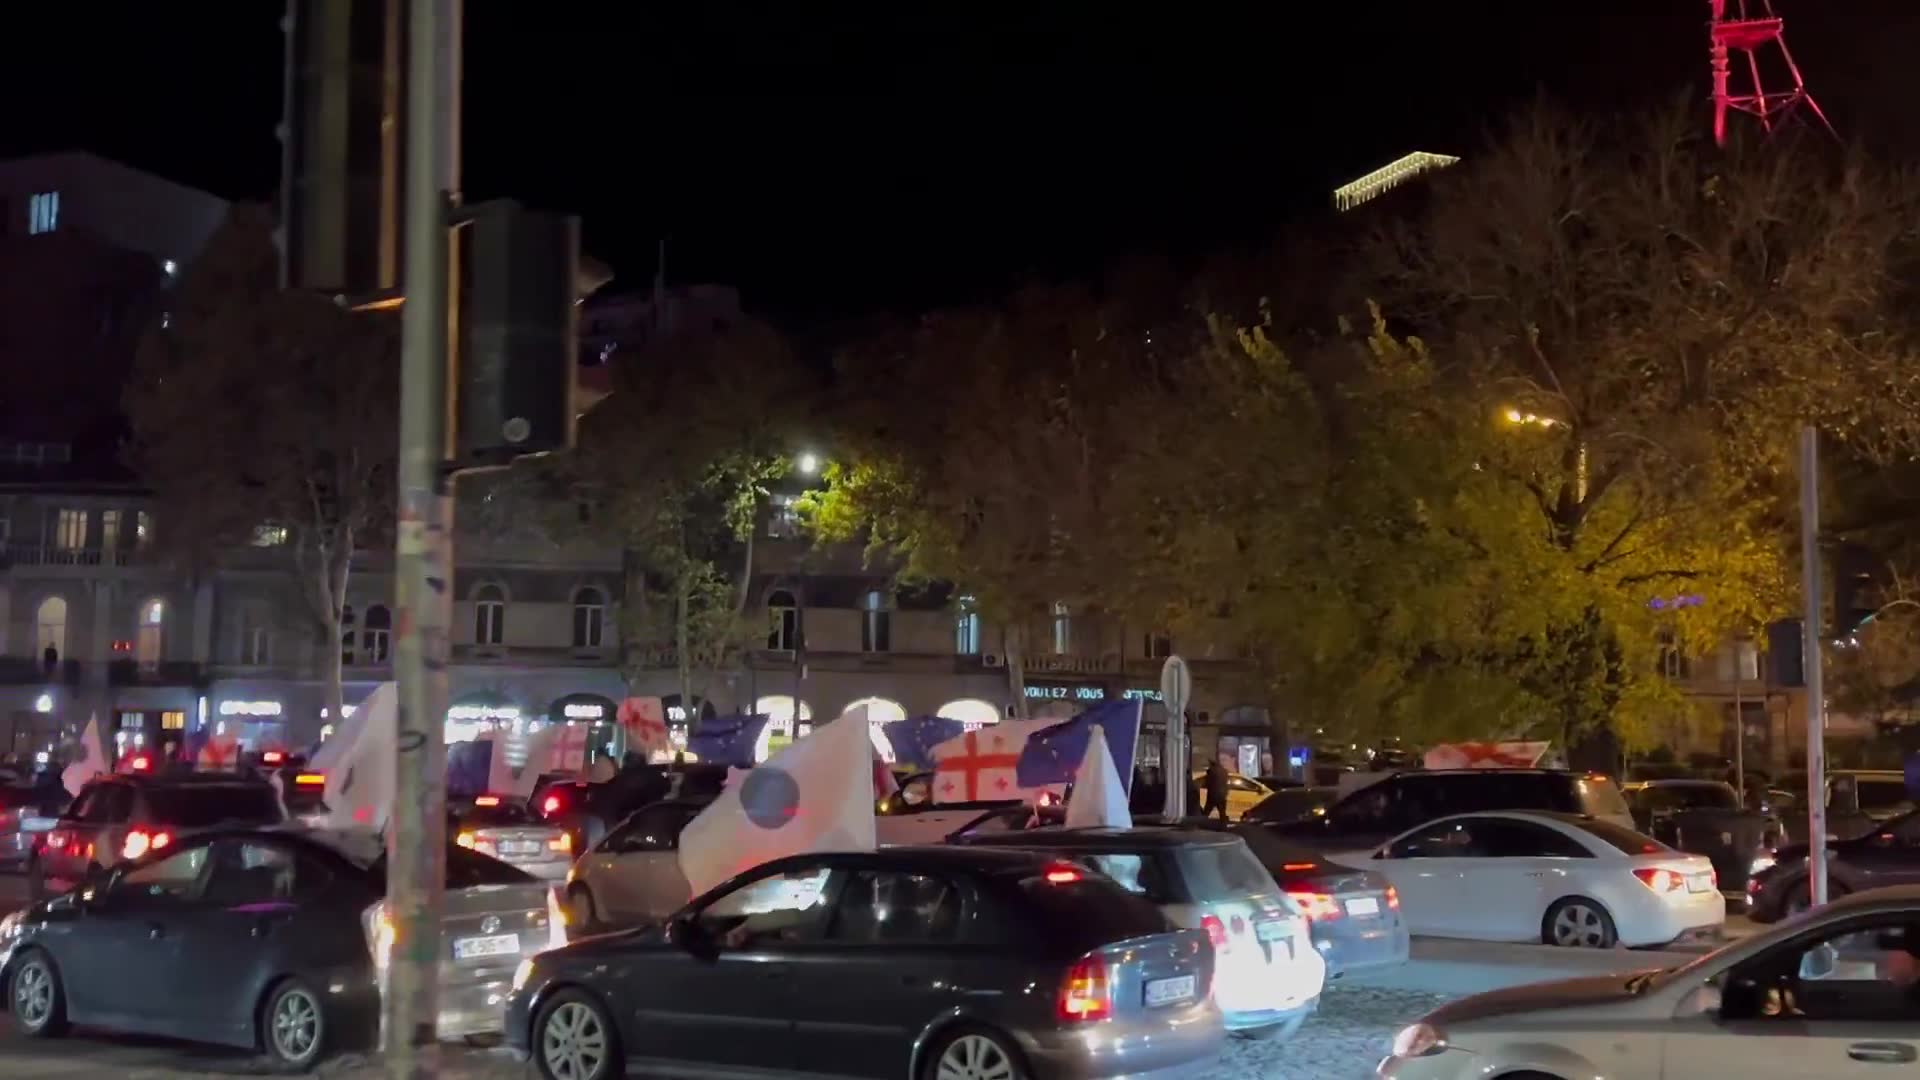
[(518, 333)]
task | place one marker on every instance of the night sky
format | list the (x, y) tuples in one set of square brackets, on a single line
[(836, 164)]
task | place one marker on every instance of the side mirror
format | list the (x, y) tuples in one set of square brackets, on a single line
[(1702, 1000)]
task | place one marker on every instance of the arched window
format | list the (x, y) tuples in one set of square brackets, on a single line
[(52, 621), (780, 729), (966, 628), (589, 618), (346, 635), (876, 623), (378, 637), (150, 637), (880, 713), (489, 615), (1062, 629), (783, 618), (972, 712)]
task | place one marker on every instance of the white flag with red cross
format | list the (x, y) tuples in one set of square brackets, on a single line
[(644, 719), (982, 766)]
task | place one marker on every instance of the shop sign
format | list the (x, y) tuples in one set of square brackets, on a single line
[(1067, 692), (1134, 694), (249, 708), (474, 713), (584, 710)]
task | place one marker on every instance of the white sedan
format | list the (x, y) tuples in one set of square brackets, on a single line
[(1561, 879), (1834, 994)]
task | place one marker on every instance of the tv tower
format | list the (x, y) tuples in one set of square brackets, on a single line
[(1752, 27)]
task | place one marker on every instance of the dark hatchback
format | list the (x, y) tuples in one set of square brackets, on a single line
[(916, 962), (1889, 855), (1371, 815)]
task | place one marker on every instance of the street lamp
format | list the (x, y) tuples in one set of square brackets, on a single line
[(808, 464), (43, 703), (1517, 416)]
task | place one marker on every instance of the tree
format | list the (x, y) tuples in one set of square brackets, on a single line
[(268, 417)]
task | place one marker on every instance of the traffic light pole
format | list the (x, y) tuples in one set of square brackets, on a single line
[(423, 567)]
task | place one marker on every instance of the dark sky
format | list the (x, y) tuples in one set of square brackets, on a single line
[(831, 163)]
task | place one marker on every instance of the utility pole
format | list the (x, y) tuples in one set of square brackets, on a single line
[(423, 568), (1810, 647)]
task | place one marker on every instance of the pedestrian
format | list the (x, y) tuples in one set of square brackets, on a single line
[(1216, 780)]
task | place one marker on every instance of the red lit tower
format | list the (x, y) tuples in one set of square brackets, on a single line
[(1750, 28)]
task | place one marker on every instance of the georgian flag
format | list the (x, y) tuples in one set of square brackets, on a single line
[(983, 766), (644, 719)]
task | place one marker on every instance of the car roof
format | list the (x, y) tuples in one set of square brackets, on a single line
[(947, 857), (1557, 817), (1505, 772), (1150, 836), (187, 779)]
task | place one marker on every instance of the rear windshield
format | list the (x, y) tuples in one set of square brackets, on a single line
[(1687, 797), (1223, 872), (1085, 914), (479, 817), (1624, 839), (200, 806), (1882, 794), (466, 869), (1599, 795)]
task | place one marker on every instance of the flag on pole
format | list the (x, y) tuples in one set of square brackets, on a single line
[(981, 766), (914, 738), (1099, 798), (569, 750), (1054, 755), (220, 753), (644, 719), (798, 801), (93, 760)]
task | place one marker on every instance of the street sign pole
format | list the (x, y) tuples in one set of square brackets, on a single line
[(1811, 651), (1176, 689)]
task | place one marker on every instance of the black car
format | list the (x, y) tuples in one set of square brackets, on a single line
[(909, 962), (1889, 855), (1371, 815), (1704, 817), (1292, 804), (1354, 913), (260, 938), (126, 815)]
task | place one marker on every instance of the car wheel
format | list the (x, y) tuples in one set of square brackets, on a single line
[(574, 1039), (38, 999), (293, 1026), (580, 908), (1579, 923), (974, 1053)]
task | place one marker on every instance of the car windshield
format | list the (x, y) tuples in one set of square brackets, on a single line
[(503, 813), (1622, 839), (1601, 796), (1883, 794), (466, 869), (1660, 797), (1089, 912), (197, 806), (1223, 872)]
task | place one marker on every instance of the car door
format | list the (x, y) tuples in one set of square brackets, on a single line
[(1890, 855), (1425, 867), (891, 944), (1515, 869), (723, 992), (115, 962), (1839, 1002), (635, 872)]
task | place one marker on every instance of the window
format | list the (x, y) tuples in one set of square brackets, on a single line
[(1439, 840), (489, 615), (1501, 839), (256, 641), (150, 638), (589, 618), (52, 620), (876, 630), (784, 616), (1673, 661), (70, 530), (1861, 971), (110, 530), (142, 527), (1157, 646), (966, 629), (1136, 873), (783, 517), (172, 880), (378, 636), (656, 828), (779, 909), (202, 805), (269, 535), (886, 906), (245, 872), (1062, 629), (173, 720), (43, 213)]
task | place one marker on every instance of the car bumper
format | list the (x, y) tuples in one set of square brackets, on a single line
[(473, 1008), (545, 870), (1170, 1047), (1348, 950)]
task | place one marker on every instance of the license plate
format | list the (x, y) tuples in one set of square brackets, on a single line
[(1362, 906), (469, 948), (520, 847), (1699, 882), (1270, 930), (1168, 991)]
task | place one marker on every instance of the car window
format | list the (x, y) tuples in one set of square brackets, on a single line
[(1499, 838), (83, 803), (1599, 795), (1371, 809), (1142, 874), (888, 906), (1622, 838), (1436, 840), (107, 804), (172, 880), (1212, 872), (1877, 794), (1860, 972), (1659, 798), (200, 806), (778, 909), (657, 828), (918, 790), (1241, 783), (245, 872)]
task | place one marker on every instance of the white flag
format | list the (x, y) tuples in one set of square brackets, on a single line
[(1099, 798), (814, 795), (93, 760), (360, 765)]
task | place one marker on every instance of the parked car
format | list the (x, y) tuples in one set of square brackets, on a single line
[(28, 809), (1830, 995), (1269, 973), (1889, 855), (126, 815), (501, 826), (633, 874), (273, 939), (1705, 817), (1354, 914), (995, 964), (1559, 879), (1292, 804), (1357, 824)]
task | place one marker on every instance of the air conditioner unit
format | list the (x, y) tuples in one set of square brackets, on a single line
[(989, 660)]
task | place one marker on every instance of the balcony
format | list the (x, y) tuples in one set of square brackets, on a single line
[(50, 555), (166, 673), (30, 671)]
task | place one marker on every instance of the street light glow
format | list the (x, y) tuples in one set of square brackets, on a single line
[(1516, 416), (43, 703), (808, 464)]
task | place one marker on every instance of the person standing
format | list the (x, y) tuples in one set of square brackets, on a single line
[(1216, 784)]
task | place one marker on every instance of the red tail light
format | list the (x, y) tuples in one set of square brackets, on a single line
[(562, 843), (1659, 880), (310, 779), (1062, 875), (140, 841), (1320, 907), (272, 757), (140, 763), (486, 800), (1299, 867), (1393, 898), (550, 805), (1086, 994), (1216, 930)]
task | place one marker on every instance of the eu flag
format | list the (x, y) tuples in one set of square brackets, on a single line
[(1053, 756), (914, 738), (727, 740)]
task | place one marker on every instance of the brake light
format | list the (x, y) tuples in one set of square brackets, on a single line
[(1320, 907), (309, 779), (1393, 898), (1299, 867), (550, 805), (1062, 875), (57, 841), (562, 844), (1663, 882), (465, 839), (486, 800), (140, 763), (1086, 994), (1216, 930), (140, 841), (272, 757)]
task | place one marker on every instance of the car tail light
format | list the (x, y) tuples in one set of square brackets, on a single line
[(1661, 881), (1216, 930), (57, 841), (473, 840), (310, 779), (272, 757), (1393, 898), (1087, 994), (1062, 875), (140, 763), (1299, 867), (140, 841), (377, 923), (550, 806), (486, 800), (562, 844), (1318, 906)]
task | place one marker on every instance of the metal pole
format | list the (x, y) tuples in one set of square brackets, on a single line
[(1810, 648), (423, 565), (1739, 723)]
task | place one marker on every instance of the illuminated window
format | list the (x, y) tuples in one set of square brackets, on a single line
[(589, 618), (52, 621), (378, 637), (971, 711), (783, 517), (70, 530), (966, 629), (110, 530), (1062, 628), (43, 213), (876, 623), (173, 720), (269, 535), (150, 639), (489, 615)]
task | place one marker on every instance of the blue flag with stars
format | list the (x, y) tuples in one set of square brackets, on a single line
[(1053, 756), (914, 738)]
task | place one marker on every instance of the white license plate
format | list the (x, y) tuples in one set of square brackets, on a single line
[(520, 847), (1168, 991), (1270, 930), (468, 948), (1363, 905), (1699, 882)]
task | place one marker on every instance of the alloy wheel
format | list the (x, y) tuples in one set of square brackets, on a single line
[(296, 1025), (1580, 926), (573, 1044), (974, 1057), (33, 994)]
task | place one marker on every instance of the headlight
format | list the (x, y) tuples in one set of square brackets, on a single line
[(522, 973), (1760, 863), (1418, 1040), (10, 926)]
